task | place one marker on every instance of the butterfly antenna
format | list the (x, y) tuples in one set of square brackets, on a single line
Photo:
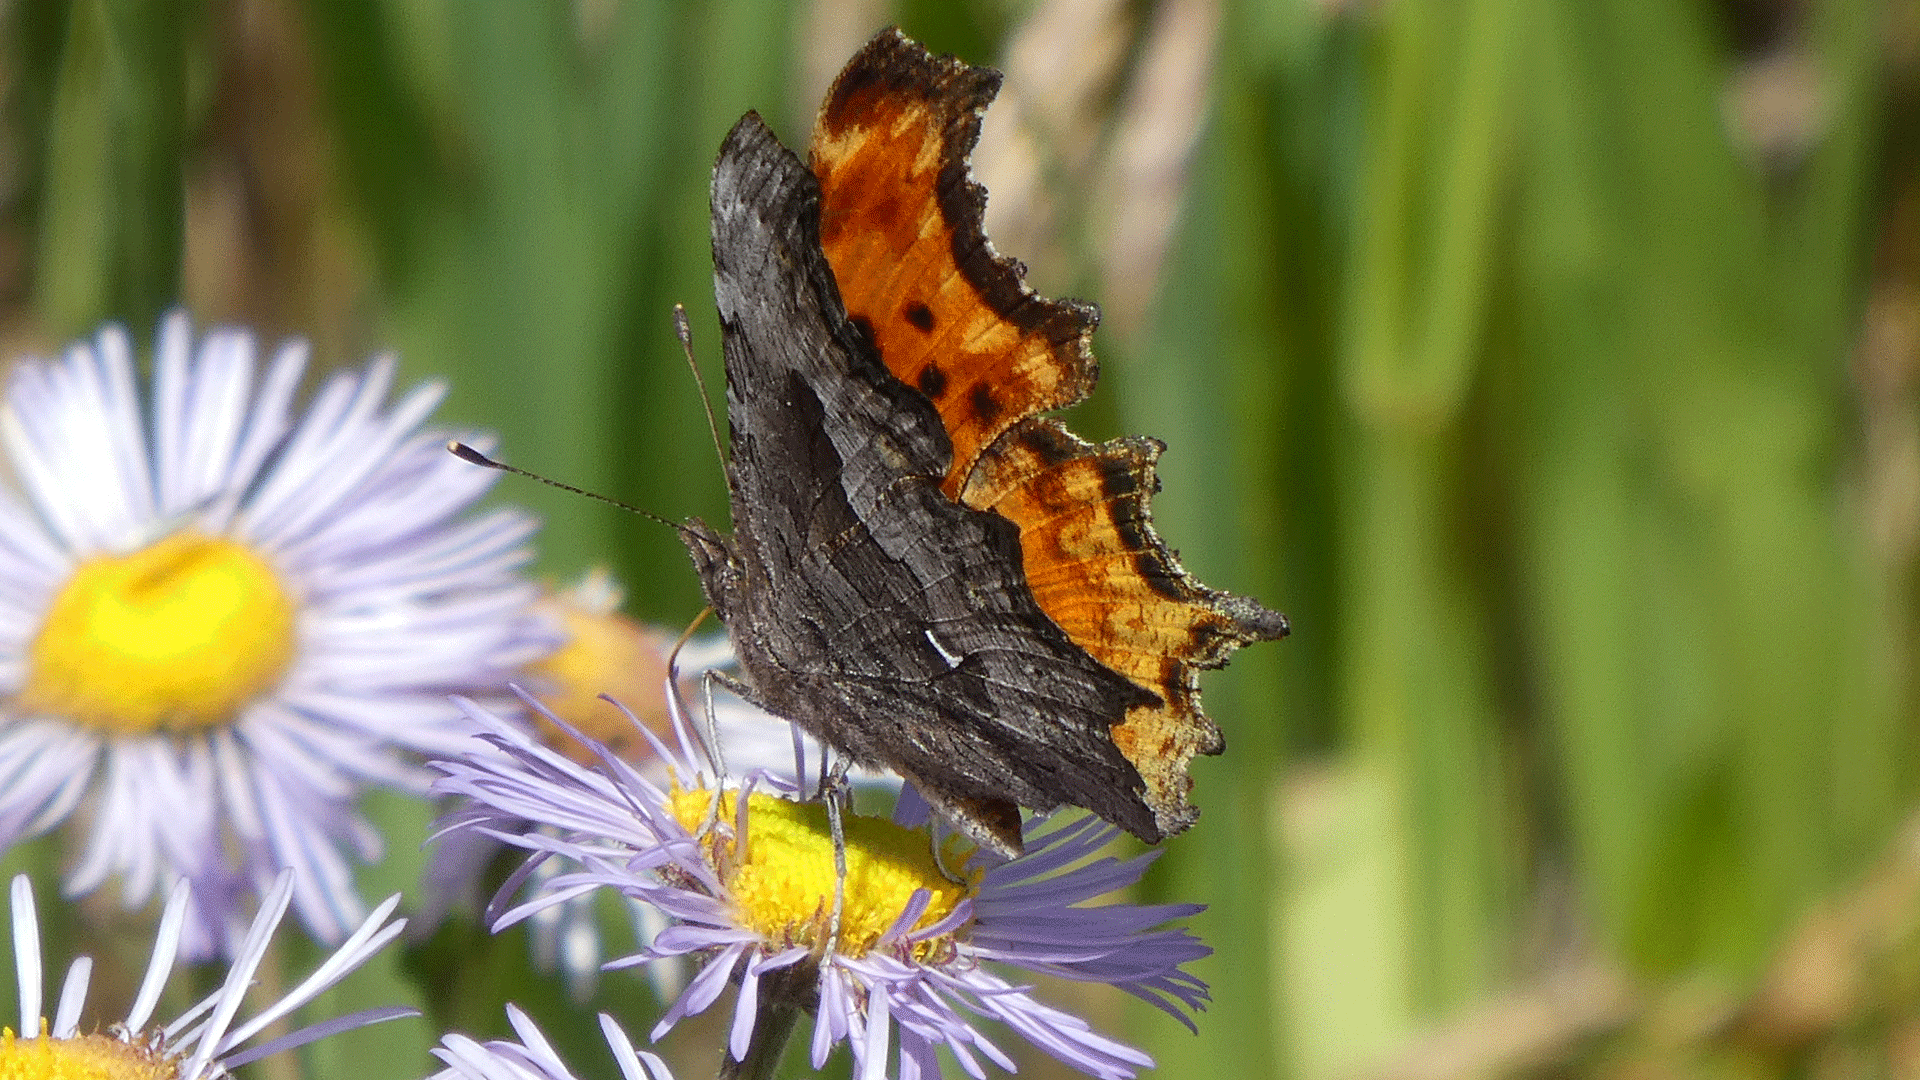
[(474, 457), (683, 329)]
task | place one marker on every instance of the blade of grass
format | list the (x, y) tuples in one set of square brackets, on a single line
[(112, 210)]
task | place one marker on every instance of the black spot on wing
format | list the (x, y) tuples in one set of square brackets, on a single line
[(986, 408), (932, 381)]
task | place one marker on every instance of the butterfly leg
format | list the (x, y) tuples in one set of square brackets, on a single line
[(715, 677), (836, 791), (710, 733), (716, 757)]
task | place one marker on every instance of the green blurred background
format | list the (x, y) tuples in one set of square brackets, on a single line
[(1552, 364)]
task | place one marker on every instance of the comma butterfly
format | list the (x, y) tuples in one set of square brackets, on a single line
[(925, 572)]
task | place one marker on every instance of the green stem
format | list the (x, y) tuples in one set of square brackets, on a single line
[(785, 996)]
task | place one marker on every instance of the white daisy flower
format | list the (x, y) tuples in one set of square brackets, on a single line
[(204, 1043), (220, 619)]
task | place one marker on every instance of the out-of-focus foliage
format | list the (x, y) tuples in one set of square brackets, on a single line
[(1552, 364)]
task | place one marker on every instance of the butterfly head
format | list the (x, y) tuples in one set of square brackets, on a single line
[(718, 565)]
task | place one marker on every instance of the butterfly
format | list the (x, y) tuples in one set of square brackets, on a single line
[(925, 572)]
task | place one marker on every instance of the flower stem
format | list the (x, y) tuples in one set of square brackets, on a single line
[(785, 996)]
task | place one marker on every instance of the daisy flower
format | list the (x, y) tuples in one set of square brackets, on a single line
[(747, 876), (607, 657), (205, 1042), (605, 654), (532, 1057), (221, 619)]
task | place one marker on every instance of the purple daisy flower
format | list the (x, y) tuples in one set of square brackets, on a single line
[(221, 619), (746, 876), (607, 656), (204, 1043), (532, 1057)]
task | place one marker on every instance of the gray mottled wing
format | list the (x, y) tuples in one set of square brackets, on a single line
[(867, 606)]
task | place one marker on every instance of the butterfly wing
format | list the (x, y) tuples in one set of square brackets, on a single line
[(866, 605), (903, 227)]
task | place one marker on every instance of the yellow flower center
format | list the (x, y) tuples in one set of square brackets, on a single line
[(783, 888), (178, 635), (83, 1057), (605, 653)]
